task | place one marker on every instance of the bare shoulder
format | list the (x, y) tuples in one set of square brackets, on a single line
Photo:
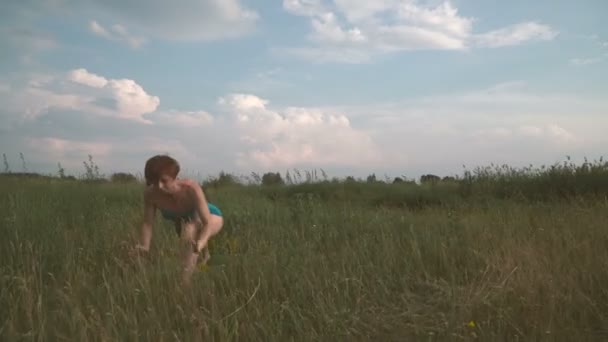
[(194, 188)]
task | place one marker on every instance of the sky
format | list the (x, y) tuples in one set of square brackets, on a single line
[(352, 87)]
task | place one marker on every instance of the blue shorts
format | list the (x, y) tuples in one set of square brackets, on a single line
[(214, 210)]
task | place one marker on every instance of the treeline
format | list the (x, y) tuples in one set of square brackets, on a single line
[(560, 180)]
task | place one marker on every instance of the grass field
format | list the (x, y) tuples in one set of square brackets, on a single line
[(502, 257)]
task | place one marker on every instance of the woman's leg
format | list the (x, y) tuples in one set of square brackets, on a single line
[(188, 254)]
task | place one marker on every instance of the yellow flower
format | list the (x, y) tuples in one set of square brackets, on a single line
[(203, 267), (471, 324), (232, 245)]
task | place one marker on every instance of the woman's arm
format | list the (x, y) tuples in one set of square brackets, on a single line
[(201, 208), (146, 228), (201, 204)]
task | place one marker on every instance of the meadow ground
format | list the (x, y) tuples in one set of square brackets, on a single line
[(324, 262)]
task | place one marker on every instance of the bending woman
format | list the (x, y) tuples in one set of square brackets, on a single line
[(183, 202)]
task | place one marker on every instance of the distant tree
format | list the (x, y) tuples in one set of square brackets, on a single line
[(397, 180), (350, 179), (222, 180), (226, 179), (429, 179), (271, 178), (122, 177), (371, 178)]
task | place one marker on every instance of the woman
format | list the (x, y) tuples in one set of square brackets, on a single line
[(183, 202)]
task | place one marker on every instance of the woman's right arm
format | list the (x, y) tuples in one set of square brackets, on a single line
[(146, 228)]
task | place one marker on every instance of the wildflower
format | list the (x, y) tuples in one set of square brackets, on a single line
[(232, 245), (471, 324)]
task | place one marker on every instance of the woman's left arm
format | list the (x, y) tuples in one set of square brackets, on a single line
[(201, 206)]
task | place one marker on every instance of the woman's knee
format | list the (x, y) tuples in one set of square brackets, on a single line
[(218, 223), (215, 225)]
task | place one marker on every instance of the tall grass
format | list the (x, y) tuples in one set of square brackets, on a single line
[(498, 254)]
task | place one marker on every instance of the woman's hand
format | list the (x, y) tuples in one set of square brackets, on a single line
[(138, 251)]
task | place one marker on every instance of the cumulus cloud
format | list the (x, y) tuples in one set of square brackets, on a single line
[(296, 136), (116, 33), (84, 77), (83, 91), (88, 92), (355, 31), (255, 134), (79, 112)]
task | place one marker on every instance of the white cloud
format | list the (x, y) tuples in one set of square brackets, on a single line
[(132, 101), (355, 31), (84, 77), (504, 123), (255, 134), (81, 90), (69, 152), (361, 10), (530, 131), (185, 119), (329, 54), (600, 55), (560, 133), (551, 133), (515, 35), (110, 155), (327, 30), (295, 136), (116, 33), (443, 18), (493, 133), (124, 97), (587, 61), (304, 7), (34, 101), (99, 30), (78, 112), (190, 20)]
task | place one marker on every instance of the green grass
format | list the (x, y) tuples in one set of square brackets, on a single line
[(330, 261)]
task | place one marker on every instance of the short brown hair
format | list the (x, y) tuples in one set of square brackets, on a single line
[(158, 166)]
